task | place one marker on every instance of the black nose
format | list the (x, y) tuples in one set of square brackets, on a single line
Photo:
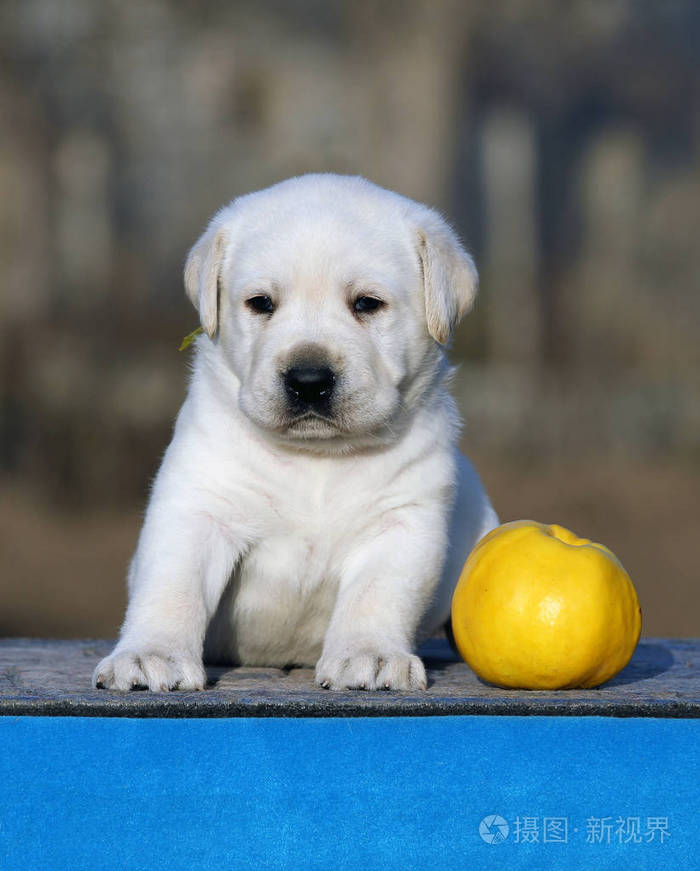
[(309, 385)]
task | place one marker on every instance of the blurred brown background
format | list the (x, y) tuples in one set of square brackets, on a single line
[(563, 140)]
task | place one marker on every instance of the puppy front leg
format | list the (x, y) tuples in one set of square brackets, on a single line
[(181, 566), (385, 588)]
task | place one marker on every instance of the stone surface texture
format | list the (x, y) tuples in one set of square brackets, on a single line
[(53, 678)]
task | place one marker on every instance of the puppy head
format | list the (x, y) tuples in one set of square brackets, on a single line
[(329, 299)]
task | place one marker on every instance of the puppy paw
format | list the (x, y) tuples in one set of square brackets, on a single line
[(149, 669), (369, 670)]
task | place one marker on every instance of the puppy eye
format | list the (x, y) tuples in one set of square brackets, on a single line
[(367, 304), (261, 304)]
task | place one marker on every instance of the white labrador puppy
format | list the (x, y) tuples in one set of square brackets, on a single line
[(303, 509)]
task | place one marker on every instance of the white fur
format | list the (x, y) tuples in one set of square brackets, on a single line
[(274, 541)]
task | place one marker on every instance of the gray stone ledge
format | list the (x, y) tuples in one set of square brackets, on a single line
[(52, 678)]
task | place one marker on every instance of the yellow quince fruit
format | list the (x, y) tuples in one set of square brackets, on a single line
[(536, 607)]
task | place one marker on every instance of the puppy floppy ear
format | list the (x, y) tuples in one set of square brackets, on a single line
[(202, 270), (449, 276)]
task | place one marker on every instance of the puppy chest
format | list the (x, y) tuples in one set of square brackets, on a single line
[(289, 575), (298, 558), (285, 591), (308, 526)]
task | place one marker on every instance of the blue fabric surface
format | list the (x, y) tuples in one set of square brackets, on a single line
[(371, 793)]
